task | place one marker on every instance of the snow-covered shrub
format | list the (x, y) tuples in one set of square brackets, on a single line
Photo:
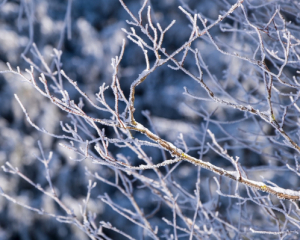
[(142, 120)]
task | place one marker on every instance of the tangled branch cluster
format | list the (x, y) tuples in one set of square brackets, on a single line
[(246, 107)]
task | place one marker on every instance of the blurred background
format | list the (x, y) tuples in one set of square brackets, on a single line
[(91, 39)]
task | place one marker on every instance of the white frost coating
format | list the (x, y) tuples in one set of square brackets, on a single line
[(286, 191), (249, 107), (161, 61), (172, 146), (140, 127), (144, 73), (235, 174), (261, 184), (235, 6), (109, 145), (276, 189)]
